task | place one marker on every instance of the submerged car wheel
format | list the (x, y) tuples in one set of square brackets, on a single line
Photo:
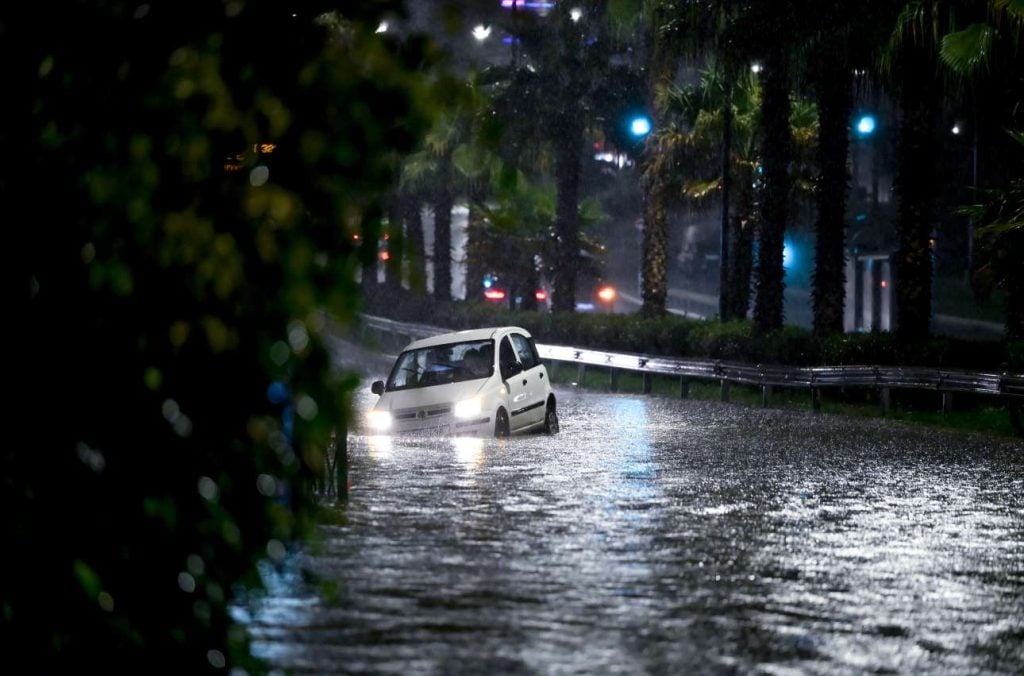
[(551, 419), (501, 423)]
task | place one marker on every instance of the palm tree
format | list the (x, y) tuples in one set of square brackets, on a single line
[(776, 152), (833, 85), (1001, 240), (912, 63), (1000, 209), (552, 78), (848, 38), (656, 171), (513, 234), (689, 144), (674, 28), (435, 173)]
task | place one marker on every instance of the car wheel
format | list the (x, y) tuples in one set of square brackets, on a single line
[(551, 419), (501, 423)]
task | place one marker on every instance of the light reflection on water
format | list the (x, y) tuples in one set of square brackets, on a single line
[(657, 536)]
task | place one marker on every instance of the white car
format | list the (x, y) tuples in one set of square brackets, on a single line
[(480, 382)]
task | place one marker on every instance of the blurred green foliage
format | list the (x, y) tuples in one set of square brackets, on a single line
[(203, 169)]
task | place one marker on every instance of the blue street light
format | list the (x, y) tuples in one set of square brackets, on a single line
[(866, 125), (788, 255), (640, 126)]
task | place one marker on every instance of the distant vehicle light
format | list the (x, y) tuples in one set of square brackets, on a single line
[(541, 294), (494, 294), (607, 294), (384, 255)]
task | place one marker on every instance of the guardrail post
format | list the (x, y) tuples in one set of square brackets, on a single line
[(947, 402), (647, 383), (581, 374), (724, 393), (553, 370), (766, 394), (684, 387), (613, 379), (886, 400), (816, 399)]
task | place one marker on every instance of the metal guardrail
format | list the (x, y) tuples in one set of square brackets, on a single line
[(885, 378)]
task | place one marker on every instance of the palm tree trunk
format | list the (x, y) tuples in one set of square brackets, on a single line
[(476, 245), (415, 252), (741, 233), (655, 243), (916, 175), (443, 245), (726, 265), (835, 102), (443, 203), (395, 245), (776, 151), (567, 184)]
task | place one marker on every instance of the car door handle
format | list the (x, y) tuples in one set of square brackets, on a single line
[(542, 376), (524, 381)]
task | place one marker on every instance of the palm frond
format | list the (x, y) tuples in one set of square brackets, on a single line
[(701, 189), (908, 23), (1015, 8), (965, 50)]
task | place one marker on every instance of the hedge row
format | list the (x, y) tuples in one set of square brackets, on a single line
[(732, 341)]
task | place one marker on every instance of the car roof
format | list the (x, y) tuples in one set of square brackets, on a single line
[(462, 336)]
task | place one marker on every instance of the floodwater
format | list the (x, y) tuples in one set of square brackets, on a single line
[(659, 536)]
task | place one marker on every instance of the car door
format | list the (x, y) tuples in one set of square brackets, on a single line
[(512, 375), (533, 378)]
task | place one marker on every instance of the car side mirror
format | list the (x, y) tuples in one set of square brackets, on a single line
[(377, 387)]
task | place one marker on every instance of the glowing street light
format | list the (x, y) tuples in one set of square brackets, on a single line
[(866, 125), (481, 32), (640, 126), (575, 14)]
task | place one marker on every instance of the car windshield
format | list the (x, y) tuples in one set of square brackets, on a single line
[(441, 364)]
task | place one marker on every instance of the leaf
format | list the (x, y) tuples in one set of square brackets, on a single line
[(963, 51), (701, 189), (1014, 7), (87, 578)]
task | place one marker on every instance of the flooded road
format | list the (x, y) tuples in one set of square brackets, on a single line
[(661, 536)]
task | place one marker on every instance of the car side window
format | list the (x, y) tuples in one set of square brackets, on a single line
[(506, 358), (526, 355)]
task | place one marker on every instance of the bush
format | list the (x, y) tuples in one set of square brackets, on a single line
[(674, 336)]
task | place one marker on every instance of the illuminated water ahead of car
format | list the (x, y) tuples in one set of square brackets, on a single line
[(661, 536)]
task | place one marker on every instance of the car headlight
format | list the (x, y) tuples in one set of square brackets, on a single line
[(379, 420), (467, 408)]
